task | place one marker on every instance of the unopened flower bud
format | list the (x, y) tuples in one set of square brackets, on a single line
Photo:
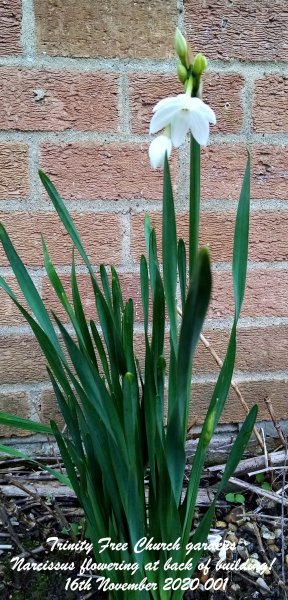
[(199, 64), (182, 72), (181, 46)]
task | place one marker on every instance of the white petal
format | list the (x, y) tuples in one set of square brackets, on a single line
[(158, 149), (206, 111), (179, 127), (162, 118), (199, 127), (169, 102)]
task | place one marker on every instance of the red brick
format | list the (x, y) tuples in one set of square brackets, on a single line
[(221, 91), (130, 29), (258, 349), (49, 409), (101, 234), (254, 392), (21, 360), (10, 27), (267, 240), (9, 313), (105, 171), (57, 100), (16, 403), (223, 168), (247, 30), (270, 103), (14, 171), (265, 296)]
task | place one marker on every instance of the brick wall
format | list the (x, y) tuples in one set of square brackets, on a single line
[(77, 84)]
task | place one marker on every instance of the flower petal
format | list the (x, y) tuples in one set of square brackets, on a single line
[(157, 150), (179, 127), (207, 112), (162, 117), (199, 127)]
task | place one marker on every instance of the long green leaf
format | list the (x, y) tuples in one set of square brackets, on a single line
[(14, 421), (169, 252)]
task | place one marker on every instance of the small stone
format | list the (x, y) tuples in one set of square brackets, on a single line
[(231, 537), (220, 525), (277, 533), (235, 587), (274, 548), (264, 588), (243, 552), (232, 527), (235, 515), (267, 534), (248, 527)]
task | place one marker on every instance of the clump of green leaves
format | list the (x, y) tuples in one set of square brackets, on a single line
[(126, 423)]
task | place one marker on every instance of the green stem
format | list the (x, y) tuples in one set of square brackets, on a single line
[(194, 210)]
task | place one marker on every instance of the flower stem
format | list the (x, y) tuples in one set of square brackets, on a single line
[(194, 208)]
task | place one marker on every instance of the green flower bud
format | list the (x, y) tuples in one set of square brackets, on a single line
[(181, 46), (199, 64), (182, 72)]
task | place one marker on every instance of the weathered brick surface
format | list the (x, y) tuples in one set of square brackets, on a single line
[(266, 294), (223, 92), (258, 349), (223, 169), (9, 313), (21, 360), (10, 27), (268, 232), (48, 100), (246, 30), (105, 171), (254, 392), (14, 170), (49, 410), (127, 29), (270, 104), (16, 403), (101, 235)]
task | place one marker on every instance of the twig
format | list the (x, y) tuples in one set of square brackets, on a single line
[(257, 490), (282, 522), (244, 466), (262, 550), (275, 421), (233, 384), (5, 519), (266, 469)]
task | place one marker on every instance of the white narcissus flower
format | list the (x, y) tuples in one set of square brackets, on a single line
[(183, 113), (158, 149)]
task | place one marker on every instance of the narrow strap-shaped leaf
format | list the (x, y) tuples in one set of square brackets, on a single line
[(144, 280), (14, 421), (182, 270), (233, 460), (158, 324), (194, 209), (28, 288), (193, 318), (87, 345), (241, 237), (105, 285), (224, 379), (169, 251), (101, 353)]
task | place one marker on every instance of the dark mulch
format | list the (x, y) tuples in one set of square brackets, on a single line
[(258, 528)]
